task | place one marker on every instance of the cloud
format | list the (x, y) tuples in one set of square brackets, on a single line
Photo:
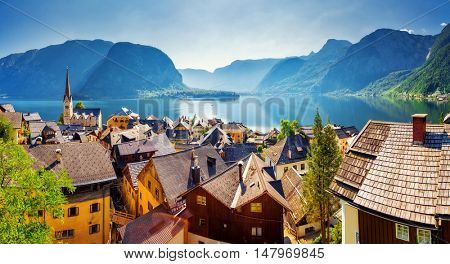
[(443, 24), (410, 31)]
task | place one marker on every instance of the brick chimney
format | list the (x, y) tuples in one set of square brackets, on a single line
[(419, 128)]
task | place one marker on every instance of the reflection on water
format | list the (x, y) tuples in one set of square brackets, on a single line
[(261, 112)]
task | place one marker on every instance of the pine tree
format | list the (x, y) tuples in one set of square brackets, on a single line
[(324, 159)]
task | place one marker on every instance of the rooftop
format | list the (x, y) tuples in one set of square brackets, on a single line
[(85, 163), (385, 172)]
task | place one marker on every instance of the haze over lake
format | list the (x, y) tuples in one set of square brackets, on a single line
[(260, 112)]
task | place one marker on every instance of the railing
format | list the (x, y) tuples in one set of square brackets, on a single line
[(121, 218)]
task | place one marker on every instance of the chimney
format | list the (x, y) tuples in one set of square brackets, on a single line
[(58, 155), (240, 165), (419, 128), (195, 168)]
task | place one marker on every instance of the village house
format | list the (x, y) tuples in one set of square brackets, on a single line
[(235, 152), (243, 204), (393, 184), (16, 120), (182, 132), (87, 212), (236, 130), (216, 137), (141, 150), (296, 219), (162, 179), (290, 152), (91, 117), (344, 135), (122, 118), (199, 128)]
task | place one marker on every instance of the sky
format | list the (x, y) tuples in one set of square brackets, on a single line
[(211, 34)]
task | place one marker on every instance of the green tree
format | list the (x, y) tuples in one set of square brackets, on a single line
[(324, 159), (60, 119), (288, 129), (441, 118), (24, 191), (79, 105), (7, 133)]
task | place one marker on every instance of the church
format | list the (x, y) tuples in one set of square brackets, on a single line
[(88, 117)]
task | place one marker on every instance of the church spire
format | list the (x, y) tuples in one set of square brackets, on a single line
[(67, 92)]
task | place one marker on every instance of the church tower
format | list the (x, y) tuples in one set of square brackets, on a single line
[(68, 106)]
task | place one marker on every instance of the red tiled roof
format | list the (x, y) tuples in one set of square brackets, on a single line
[(155, 227)]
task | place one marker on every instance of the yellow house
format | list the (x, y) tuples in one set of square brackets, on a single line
[(15, 118), (290, 152), (235, 131), (162, 179), (121, 118), (87, 213)]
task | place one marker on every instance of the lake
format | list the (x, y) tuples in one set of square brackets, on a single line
[(260, 112)]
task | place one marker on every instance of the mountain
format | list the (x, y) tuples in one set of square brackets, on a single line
[(434, 75), (40, 73), (303, 74), (129, 70), (383, 84), (239, 76), (375, 56)]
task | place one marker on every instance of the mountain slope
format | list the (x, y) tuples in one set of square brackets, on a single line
[(309, 75), (130, 70), (40, 73), (374, 56), (434, 75), (239, 76), (279, 72)]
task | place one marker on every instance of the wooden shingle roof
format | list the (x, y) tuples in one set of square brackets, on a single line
[(15, 118), (288, 150), (85, 163), (385, 172)]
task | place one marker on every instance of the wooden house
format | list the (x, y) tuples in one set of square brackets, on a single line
[(393, 184), (243, 204)]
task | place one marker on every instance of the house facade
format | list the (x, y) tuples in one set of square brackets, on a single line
[(87, 213), (393, 184)]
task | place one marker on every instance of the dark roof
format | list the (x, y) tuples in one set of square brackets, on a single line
[(85, 163), (341, 131), (216, 137), (15, 118), (227, 188), (174, 170), (155, 227), (7, 108), (159, 143), (291, 149), (385, 172), (235, 152), (28, 117)]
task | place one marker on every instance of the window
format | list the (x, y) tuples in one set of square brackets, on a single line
[(201, 200), (95, 207), (149, 184), (157, 194), (256, 231), (201, 222), (94, 229), (402, 232), (72, 211), (423, 236), (302, 166), (40, 213), (140, 195), (256, 207), (295, 167), (64, 234)]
